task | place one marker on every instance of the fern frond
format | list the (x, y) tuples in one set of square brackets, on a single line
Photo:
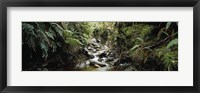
[(73, 42), (172, 43)]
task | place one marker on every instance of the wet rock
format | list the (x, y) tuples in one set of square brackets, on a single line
[(105, 47), (100, 59), (98, 41), (90, 53), (102, 65), (93, 40), (104, 59), (94, 50), (94, 62), (89, 48), (84, 51), (91, 56), (97, 66), (103, 55), (98, 53), (93, 44), (98, 49), (110, 59), (111, 54), (114, 62)]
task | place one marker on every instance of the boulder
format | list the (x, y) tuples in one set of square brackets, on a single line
[(95, 63), (94, 50), (97, 66)]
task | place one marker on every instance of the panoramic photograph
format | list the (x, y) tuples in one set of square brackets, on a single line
[(99, 46)]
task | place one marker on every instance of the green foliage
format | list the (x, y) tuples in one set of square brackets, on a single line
[(30, 35), (172, 43), (41, 36), (73, 42), (170, 60), (149, 45), (54, 38), (145, 49)]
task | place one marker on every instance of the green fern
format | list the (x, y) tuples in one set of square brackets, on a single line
[(170, 60), (73, 42), (29, 33), (67, 33), (172, 43)]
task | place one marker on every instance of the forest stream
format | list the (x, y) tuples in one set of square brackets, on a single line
[(101, 58), (100, 46)]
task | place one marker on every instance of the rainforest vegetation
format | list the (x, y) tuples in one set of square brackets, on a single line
[(99, 46)]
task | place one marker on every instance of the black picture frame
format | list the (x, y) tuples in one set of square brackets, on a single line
[(100, 3)]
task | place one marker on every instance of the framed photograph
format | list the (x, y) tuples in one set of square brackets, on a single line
[(80, 46)]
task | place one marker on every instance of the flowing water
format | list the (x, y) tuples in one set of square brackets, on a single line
[(101, 58)]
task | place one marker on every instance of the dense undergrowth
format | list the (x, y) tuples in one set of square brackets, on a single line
[(144, 46)]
